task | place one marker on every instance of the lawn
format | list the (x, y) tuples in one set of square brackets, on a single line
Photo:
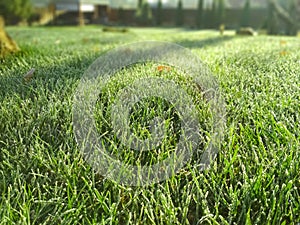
[(255, 179)]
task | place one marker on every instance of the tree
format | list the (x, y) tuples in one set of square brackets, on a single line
[(159, 13), (15, 11), (272, 20), (199, 17), (140, 3), (7, 45), (179, 14), (292, 29), (121, 16), (246, 14), (213, 15), (277, 11), (138, 11), (143, 13), (221, 12)]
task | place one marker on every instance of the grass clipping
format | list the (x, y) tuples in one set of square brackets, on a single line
[(7, 44)]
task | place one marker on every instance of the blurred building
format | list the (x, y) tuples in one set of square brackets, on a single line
[(123, 11), (70, 11)]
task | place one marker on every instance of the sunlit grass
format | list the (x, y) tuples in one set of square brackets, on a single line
[(254, 180)]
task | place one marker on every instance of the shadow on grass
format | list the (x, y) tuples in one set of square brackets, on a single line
[(45, 77), (212, 41)]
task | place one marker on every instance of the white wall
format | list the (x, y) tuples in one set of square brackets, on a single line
[(74, 7)]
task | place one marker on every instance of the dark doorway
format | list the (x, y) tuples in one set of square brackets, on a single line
[(100, 14)]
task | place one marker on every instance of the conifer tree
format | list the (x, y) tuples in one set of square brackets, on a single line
[(245, 20), (200, 15), (159, 13), (179, 14)]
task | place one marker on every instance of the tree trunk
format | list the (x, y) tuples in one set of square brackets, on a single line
[(80, 15), (7, 45)]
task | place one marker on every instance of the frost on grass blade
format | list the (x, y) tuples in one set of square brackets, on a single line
[(101, 152)]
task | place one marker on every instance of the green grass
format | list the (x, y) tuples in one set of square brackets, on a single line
[(254, 180)]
